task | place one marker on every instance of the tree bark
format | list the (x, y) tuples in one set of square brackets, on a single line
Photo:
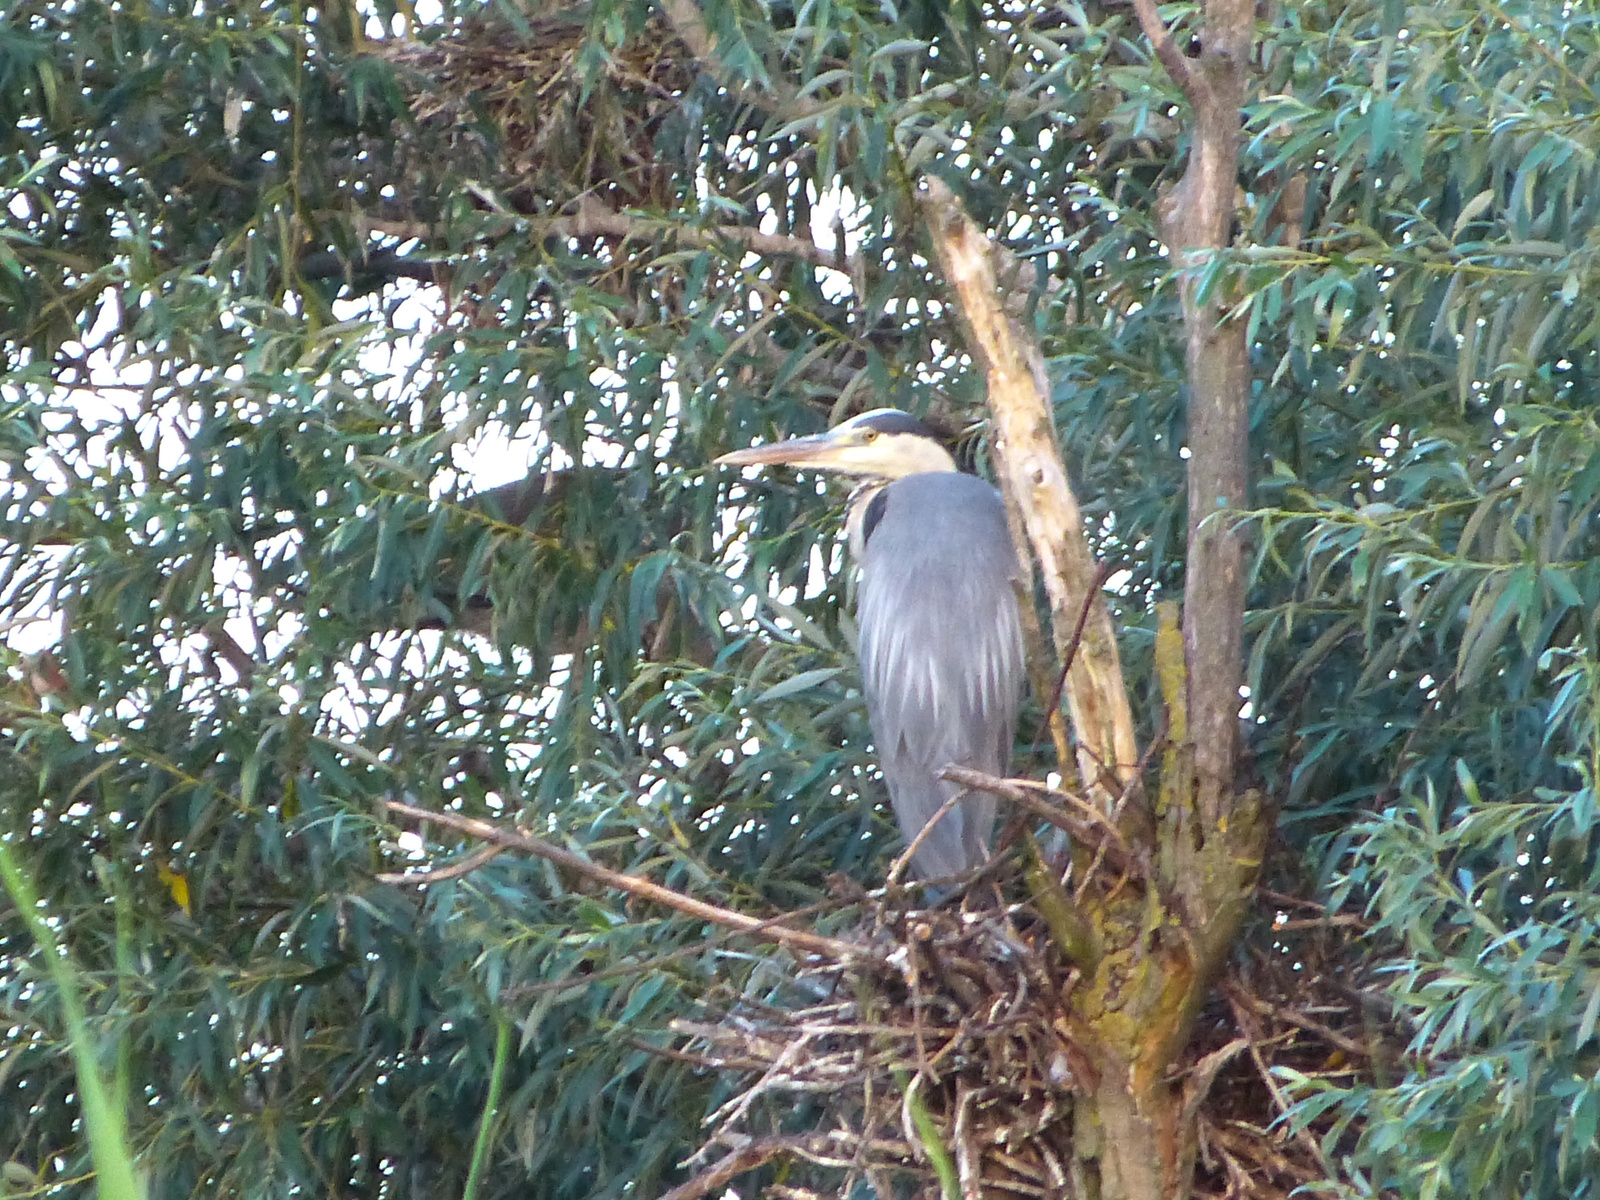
[(1196, 220), (1158, 928)]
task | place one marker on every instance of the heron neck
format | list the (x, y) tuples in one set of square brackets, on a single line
[(855, 520)]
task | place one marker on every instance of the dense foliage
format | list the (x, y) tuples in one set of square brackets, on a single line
[(279, 288)]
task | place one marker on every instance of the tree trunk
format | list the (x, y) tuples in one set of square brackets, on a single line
[(1151, 937)]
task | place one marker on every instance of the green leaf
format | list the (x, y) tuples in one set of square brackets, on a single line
[(795, 684)]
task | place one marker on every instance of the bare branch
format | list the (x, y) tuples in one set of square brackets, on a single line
[(1032, 473), (904, 860), (635, 885), (1205, 1074), (1247, 1026), (1100, 578), (478, 858), (717, 1177), (1082, 819), (595, 219), (1170, 56)]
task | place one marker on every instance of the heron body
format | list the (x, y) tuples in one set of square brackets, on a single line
[(940, 640)]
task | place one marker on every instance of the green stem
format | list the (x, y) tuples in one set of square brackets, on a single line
[(108, 1139), (927, 1128), (112, 880), (491, 1106), (1070, 932), (932, 1140)]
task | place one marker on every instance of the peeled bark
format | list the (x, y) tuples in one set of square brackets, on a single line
[(1032, 475)]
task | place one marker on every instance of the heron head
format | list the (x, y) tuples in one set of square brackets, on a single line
[(882, 444)]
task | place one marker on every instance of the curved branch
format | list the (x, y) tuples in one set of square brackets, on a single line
[(595, 219)]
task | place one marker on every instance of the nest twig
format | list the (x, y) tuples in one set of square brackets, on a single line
[(960, 1026), (959, 1018)]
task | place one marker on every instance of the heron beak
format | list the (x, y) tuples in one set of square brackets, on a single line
[(819, 450)]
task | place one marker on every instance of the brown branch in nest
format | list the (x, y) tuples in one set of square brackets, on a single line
[(966, 1028), (1204, 1074), (645, 889), (1247, 1026), (748, 1158), (904, 860), (1240, 998), (1087, 823)]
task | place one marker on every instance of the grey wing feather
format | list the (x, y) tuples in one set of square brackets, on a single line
[(941, 656)]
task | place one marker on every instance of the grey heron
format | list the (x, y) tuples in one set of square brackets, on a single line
[(940, 642)]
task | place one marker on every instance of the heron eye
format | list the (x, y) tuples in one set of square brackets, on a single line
[(869, 435)]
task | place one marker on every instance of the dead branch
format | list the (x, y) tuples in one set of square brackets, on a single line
[(645, 889), (748, 1158), (596, 219), (1248, 1027), (1100, 578), (1032, 473), (1087, 822)]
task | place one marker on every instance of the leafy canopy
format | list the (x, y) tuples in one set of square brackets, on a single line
[(270, 274)]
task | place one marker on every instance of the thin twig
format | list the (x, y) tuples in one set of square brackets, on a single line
[(659, 962), (1167, 52), (1238, 996), (1028, 794), (718, 1176), (1246, 1027), (636, 885), (900, 863), (737, 1107), (1100, 577), (1204, 1074), (1345, 919), (478, 858), (1268, 894), (595, 219)]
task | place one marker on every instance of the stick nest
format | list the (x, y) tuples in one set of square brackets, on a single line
[(546, 114), (960, 1045)]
